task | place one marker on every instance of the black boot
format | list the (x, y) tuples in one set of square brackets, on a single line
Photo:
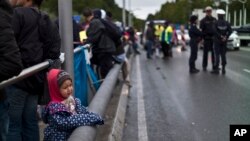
[(215, 70), (223, 70), (194, 70)]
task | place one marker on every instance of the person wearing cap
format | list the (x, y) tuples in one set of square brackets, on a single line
[(195, 37), (64, 113), (206, 25), (222, 31)]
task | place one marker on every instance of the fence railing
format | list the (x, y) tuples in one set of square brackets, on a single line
[(98, 104), (33, 70)]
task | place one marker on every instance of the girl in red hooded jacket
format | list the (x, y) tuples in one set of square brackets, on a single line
[(64, 113)]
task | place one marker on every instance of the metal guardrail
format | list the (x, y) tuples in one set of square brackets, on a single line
[(98, 104), (33, 70), (25, 73)]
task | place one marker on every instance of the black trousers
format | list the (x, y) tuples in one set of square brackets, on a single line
[(220, 50), (165, 48), (193, 54), (208, 46), (104, 62)]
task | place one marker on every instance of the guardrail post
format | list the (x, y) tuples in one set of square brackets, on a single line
[(66, 32)]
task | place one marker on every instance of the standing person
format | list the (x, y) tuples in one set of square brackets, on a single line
[(64, 113), (195, 35), (183, 40), (150, 38), (132, 39), (10, 64), (23, 96), (222, 30), (166, 39), (103, 46), (206, 26)]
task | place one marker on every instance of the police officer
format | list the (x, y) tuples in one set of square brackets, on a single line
[(196, 36), (206, 26), (222, 31)]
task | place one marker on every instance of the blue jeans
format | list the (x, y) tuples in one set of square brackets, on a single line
[(149, 45), (4, 119), (23, 115)]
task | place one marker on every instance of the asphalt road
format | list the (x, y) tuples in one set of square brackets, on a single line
[(167, 103)]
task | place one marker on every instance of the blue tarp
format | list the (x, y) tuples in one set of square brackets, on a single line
[(80, 70), (81, 66), (93, 76)]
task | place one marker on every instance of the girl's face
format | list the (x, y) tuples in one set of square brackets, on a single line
[(66, 88)]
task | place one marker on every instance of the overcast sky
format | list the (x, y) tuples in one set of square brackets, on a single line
[(141, 8)]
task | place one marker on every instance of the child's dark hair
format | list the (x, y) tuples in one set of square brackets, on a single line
[(87, 12)]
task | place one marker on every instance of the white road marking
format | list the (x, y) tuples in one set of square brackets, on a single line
[(246, 70), (142, 124)]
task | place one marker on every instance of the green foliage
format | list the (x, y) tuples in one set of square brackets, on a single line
[(180, 11), (51, 6)]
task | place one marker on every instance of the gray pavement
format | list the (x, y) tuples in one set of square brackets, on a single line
[(188, 107)]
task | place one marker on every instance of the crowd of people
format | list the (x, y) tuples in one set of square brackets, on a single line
[(25, 42), (212, 32), (28, 36)]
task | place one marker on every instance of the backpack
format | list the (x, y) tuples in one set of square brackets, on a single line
[(113, 31)]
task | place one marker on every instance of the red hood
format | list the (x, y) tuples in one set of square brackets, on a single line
[(55, 95)]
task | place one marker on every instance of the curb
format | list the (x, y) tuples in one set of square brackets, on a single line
[(119, 120)]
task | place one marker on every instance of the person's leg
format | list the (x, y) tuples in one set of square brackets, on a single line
[(16, 98), (106, 63), (135, 47), (4, 117), (149, 49), (192, 58), (167, 49), (211, 48), (216, 57), (164, 50), (223, 58), (195, 52), (30, 128), (205, 54)]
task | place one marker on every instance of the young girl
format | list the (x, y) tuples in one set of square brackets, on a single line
[(64, 113)]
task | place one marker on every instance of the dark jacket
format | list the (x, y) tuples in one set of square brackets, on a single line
[(10, 58), (25, 25), (150, 34), (61, 122), (100, 41), (222, 29), (206, 25), (195, 34)]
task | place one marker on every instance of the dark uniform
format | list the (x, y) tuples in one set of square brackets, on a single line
[(222, 32), (195, 35), (206, 26)]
